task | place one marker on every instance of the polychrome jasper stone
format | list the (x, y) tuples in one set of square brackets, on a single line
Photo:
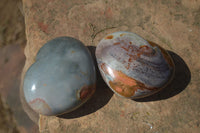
[(61, 79), (131, 66)]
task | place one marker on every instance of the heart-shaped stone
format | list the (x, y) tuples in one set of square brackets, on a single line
[(62, 78)]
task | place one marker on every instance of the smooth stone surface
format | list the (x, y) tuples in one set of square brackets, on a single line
[(131, 66), (62, 78)]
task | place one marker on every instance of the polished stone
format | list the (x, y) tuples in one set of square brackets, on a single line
[(62, 78), (133, 67)]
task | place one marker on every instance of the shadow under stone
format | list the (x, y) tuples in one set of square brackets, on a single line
[(100, 98), (179, 82), (103, 94)]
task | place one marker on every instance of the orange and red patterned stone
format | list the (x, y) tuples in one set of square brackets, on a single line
[(131, 66)]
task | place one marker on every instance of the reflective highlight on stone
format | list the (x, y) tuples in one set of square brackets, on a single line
[(131, 66), (62, 78)]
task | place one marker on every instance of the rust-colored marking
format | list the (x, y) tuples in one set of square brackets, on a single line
[(164, 53), (85, 92), (126, 91), (72, 51), (138, 54), (146, 50), (124, 85), (130, 42), (104, 68), (129, 60), (39, 105), (109, 37), (122, 34), (117, 43), (144, 46), (118, 89), (124, 79), (44, 84), (126, 49), (134, 52)]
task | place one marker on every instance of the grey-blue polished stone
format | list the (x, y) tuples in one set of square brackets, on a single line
[(61, 79)]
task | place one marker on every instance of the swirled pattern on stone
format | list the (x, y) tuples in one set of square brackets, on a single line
[(62, 78), (131, 66)]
